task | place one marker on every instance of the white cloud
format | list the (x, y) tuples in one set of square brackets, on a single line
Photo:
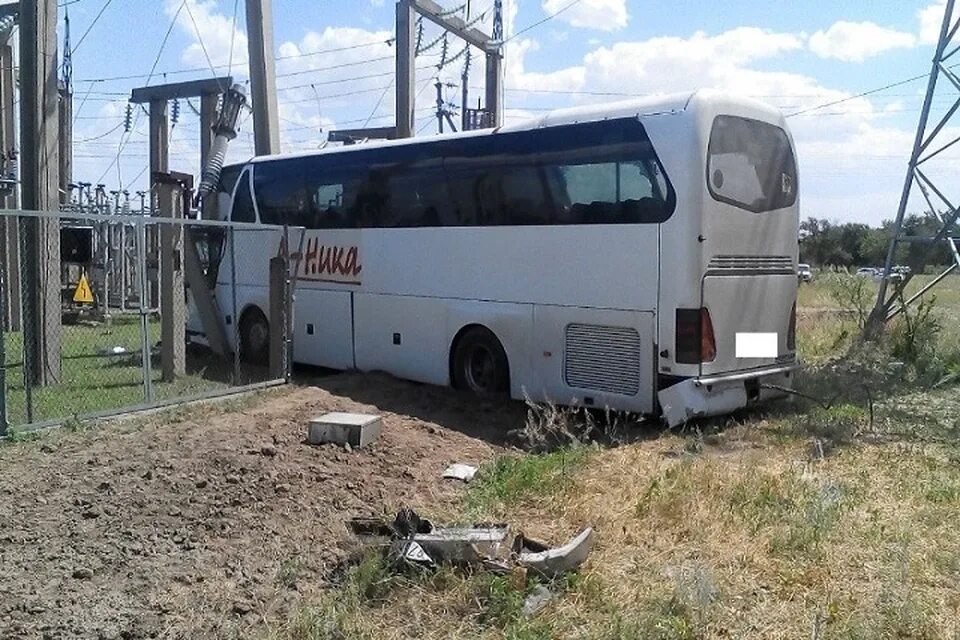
[(857, 41), (670, 63), (604, 15), (931, 20), (212, 34)]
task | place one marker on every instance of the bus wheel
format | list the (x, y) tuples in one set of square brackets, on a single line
[(255, 337), (480, 363)]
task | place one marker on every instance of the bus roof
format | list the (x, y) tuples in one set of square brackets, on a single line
[(635, 107)]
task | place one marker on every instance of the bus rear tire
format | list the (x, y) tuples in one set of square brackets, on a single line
[(255, 337), (479, 363)]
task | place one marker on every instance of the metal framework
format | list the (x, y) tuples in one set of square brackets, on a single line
[(492, 48), (930, 142)]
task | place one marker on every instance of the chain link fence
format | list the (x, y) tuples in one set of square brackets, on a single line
[(105, 314)]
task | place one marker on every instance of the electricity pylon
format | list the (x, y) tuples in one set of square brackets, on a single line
[(932, 139)]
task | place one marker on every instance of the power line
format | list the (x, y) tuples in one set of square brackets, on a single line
[(567, 6), (388, 42), (102, 135), (137, 76), (203, 46), (233, 35), (92, 24), (153, 68), (859, 95)]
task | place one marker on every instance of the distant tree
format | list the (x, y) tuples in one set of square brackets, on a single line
[(828, 244)]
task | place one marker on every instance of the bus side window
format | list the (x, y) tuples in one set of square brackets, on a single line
[(327, 205), (243, 202), (417, 197), (281, 193)]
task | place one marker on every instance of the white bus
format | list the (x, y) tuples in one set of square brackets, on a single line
[(595, 256)]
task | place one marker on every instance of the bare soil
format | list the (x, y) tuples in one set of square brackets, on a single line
[(213, 522)]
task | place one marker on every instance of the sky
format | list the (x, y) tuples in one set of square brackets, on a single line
[(335, 68)]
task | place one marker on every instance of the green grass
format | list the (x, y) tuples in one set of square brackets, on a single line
[(92, 382), (513, 479)]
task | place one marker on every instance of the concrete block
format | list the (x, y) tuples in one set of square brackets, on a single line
[(355, 429)]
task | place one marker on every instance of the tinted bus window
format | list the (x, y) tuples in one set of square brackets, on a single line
[(228, 178), (281, 192), (751, 165), (418, 197), (242, 202), (620, 184), (594, 173)]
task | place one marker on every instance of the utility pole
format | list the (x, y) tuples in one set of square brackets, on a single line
[(66, 114), (440, 110), (263, 79), (208, 116), (11, 318), (406, 60), (40, 186)]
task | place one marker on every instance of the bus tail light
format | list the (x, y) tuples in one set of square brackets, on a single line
[(792, 329), (695, 339)]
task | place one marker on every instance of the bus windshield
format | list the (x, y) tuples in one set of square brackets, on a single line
[(751, 165)]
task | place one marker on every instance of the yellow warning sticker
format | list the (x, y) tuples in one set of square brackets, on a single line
[(83, 292)]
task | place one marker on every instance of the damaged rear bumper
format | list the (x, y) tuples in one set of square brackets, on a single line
[(716, 395)]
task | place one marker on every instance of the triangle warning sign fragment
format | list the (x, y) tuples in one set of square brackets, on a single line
[(83, 293)]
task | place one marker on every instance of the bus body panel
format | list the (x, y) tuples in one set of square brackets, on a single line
[(323, 328), (749, 258), (677, 140), (594, 357), (731, 300), (602, 266)]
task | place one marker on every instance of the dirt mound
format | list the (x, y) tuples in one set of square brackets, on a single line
[(211, 524)]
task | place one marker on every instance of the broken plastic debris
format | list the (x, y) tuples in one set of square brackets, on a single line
[(553, 562), (459, 471), (415, 540)]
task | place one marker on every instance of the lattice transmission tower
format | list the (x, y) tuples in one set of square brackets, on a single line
[(930, 177)]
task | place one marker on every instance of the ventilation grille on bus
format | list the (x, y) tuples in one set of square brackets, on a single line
[(753, 264), (603, 359)]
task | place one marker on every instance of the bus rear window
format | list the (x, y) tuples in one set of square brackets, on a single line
[(750, 165)]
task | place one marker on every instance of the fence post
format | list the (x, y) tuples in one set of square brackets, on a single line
[(278, 320), (29, 320), (233, 312), (3, 355), (144, 308)]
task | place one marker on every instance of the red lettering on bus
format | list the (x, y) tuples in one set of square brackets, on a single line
[(352, 266), (310, 262), (320, 259)]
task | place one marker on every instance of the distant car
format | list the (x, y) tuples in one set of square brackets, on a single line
[(868, 272), (804, 274)]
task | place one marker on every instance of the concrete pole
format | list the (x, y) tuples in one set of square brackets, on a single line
[(494, 90), (159, 164), (9, 226), (173, 348), (66, 142), (406, 61), (208, 116), (263, 80), (40, 183)]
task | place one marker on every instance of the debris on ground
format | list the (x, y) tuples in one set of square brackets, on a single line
[(459, 471), (412, 539), (538, 598)]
